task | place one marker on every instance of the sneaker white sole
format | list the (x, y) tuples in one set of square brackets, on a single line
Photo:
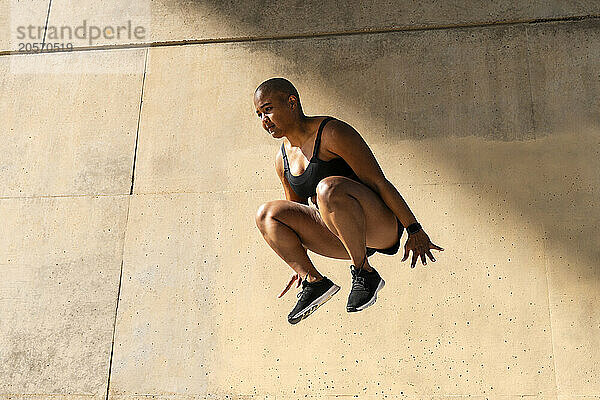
[(319, 301), (372, 301)]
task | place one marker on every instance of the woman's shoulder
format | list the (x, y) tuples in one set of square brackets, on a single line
[(337, 126), (335, 134)]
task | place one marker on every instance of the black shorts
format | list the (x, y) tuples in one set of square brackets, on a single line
[(390, 250)]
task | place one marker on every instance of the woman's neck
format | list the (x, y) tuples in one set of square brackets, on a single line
[(302, 131)]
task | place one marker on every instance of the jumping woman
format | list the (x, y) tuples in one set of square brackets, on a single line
[(355, 210)]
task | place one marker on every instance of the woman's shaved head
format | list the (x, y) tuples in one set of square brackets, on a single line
[(277, 104), (277, 86)]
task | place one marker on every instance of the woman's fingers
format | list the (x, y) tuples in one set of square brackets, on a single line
[(406, 251), (431, 257), (420, 249), (433, 246)]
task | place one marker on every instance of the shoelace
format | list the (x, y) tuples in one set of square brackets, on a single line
[(302, 292), (358, 282), (303, 287)]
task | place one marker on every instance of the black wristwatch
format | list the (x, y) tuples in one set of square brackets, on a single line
[(413, 228)]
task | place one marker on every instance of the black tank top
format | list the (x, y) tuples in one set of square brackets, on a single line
[(305, 185)]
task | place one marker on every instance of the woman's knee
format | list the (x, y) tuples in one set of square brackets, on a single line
[(262, 214), (267, 211), (329, 189)]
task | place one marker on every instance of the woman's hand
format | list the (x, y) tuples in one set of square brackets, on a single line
[(420, 245), (294, 278)]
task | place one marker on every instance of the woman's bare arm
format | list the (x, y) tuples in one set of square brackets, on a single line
[(346, 142), (289, 192), (292, 196)]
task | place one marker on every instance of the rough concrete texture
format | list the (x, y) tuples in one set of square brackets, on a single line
[(490, 133), (471, 82), (16, 13), (562, 65), (60, 264), (108, 14), (170, 316), (193, 20), (66, 132)]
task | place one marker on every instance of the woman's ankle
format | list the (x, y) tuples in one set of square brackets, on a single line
[(310, 278), (365, 265)]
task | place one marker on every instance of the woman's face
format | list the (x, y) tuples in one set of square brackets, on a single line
[(274, 112)]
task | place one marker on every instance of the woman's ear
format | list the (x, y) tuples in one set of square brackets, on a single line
[(292, 101)]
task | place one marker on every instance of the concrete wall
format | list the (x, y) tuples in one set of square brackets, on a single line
[(131, 263)]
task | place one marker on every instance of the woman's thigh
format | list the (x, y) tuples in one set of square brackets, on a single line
[(381, 222), (307, 223)]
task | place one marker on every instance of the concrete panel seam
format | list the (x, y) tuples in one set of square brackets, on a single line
[(112, 345), (61, 395), (175, 396), (46, 24), (365, 31), (73, 196), (281, 190), (545, 249), (67, 196), (533, 127), (137, 131)]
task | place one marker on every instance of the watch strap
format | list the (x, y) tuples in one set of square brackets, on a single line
[(413, 228)]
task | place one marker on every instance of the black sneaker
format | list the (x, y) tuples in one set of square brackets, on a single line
[(365, 286), (311, 297)]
